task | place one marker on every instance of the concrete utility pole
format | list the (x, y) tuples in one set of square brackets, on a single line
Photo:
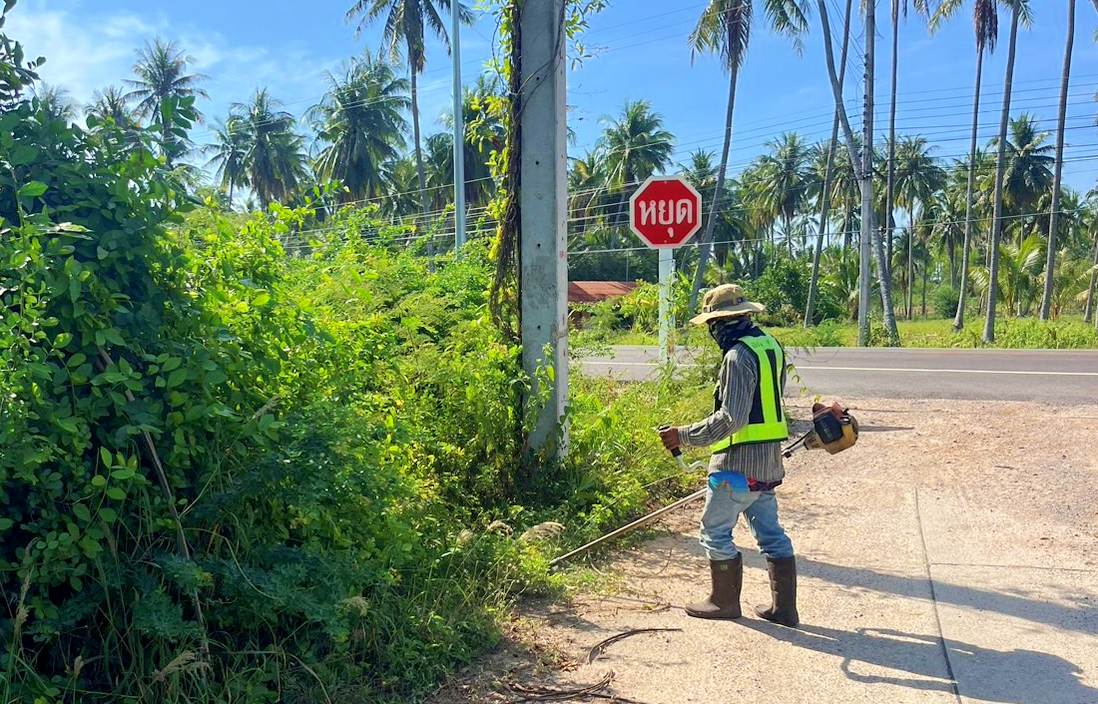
[(459, 132), (864, 272), (543, 198)]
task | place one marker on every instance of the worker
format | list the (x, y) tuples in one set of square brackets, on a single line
[(744, 434)]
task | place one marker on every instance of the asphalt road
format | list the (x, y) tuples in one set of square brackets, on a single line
[(1045, 376)]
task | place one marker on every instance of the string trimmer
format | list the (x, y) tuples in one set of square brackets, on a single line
[(833, 429)]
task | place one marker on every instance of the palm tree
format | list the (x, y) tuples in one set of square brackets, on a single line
[(110, 104), (229, 149), (846, 193), (360, 124), (273, 160), (1065, 80), (841, 279), (785, 180), (1071, 276), (918, 179), (906, 259), (161, 73), (439, 165), (56, 102), (985, 21), (949, 224), (634, 146), (586, 187), (1028, 175), (1020, 269), (1019, 12), (825, 178), (734, 225), (1089, 222), (724, 28), (399, 188), (404, 33)]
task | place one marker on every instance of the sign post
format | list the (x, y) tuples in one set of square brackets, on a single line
[(667, 321), (665, 212)]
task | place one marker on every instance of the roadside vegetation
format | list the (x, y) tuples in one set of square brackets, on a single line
[(257, 457), (634, 320)]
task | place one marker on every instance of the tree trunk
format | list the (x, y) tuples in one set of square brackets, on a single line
[(707, 238), (848, 229), (890, 183), (997, 216), (424, 201), (1089, 310), (951, 249), (926, 271), (885, 283), (966, 247), (231, 184), (911, 268), (825, 194), (1050, 261)]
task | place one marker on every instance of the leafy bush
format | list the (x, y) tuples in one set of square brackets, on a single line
[(210, 449), (946, 299), (829, 334), (783, 289), (640, 309), (829, 307)]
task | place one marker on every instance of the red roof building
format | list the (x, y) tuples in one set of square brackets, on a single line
[(595, 291)]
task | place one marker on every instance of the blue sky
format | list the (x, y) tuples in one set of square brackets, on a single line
[(638, 50)]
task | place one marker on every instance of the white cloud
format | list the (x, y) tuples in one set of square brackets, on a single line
[(76, 58), (87, 50)]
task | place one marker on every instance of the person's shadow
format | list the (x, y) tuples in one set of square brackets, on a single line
[(1008, 676)]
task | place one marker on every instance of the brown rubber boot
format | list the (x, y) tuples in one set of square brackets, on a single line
[(783, 592), (724, 598)]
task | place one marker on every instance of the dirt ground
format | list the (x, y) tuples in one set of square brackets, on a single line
[(949, 557)]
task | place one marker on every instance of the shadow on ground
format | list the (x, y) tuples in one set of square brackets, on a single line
[(1007, 676), (1081, 617)]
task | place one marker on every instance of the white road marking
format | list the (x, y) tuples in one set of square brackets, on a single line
[(1023, 372), (945, 371), (598, 363)]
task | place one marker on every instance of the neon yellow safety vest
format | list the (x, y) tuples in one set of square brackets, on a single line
[(767, 421)]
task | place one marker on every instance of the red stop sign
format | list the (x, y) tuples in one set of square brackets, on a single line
[(665, 212)]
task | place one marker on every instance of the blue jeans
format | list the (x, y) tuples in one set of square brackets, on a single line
[(723, 506)]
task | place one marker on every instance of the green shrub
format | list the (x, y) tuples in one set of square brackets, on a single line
[(829, 334), (1035, 334), (783, 289), (946, 300), (828, 305), (327, 427)]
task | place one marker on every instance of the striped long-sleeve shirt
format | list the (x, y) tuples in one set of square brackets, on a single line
[(738, 378)]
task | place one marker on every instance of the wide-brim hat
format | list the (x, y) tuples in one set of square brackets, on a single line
[(725, 301)]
